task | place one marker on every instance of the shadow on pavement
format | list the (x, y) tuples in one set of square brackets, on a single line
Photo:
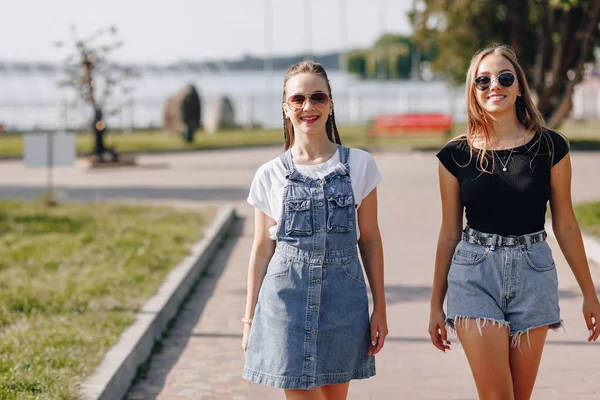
[(120, 193), (455, 340), (572, 294), (396, 294), (168, 351)]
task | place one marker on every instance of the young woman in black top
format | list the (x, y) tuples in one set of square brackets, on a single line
[(498, 272)]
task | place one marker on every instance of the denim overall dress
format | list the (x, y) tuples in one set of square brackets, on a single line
[(311, 322)]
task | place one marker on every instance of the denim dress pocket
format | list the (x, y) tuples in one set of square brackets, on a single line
[(340, 213), (353, 271), (539, 257), (298, 218), (278, 266)]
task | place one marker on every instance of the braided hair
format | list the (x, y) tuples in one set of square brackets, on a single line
[(330, 126)]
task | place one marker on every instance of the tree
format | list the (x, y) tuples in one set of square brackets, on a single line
[(390, 58), (88, 71), (554, 39)]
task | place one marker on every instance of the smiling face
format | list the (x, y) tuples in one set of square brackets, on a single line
[(497, 99), (310, 117)]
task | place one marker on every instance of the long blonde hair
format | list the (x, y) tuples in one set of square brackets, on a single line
[(480, 123), (330, 126)]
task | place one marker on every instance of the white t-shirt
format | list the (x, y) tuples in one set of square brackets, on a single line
[(266, 192)]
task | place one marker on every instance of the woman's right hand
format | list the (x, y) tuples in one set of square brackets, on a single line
[(246, 336), (437, 330)]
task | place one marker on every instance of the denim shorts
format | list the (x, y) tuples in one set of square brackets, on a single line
[(503, 281)]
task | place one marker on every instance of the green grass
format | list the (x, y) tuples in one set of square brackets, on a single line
[(588, 216), (149, 141), (583, 136), (71, 280)]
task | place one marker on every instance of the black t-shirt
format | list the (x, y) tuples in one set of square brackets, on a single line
[(511, 202)]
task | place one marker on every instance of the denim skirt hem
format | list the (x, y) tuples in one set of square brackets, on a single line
[(305, 383)]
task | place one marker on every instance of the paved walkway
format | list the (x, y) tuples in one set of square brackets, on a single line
[(201, 358)]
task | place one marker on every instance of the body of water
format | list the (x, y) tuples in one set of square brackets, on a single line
[(31, 100)]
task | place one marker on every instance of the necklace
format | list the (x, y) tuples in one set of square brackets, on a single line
[(505, 164), (311, 162)]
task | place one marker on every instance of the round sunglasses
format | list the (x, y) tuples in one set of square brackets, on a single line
[(484, 82), (298, 100)]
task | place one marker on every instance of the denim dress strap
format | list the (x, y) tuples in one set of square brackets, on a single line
[(342, 168), (286, 160), (344, 154)]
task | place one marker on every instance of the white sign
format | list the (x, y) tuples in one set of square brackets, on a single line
[(52, 149)]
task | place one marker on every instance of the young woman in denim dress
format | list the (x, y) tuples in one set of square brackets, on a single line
[(307, 327), (499, 272)]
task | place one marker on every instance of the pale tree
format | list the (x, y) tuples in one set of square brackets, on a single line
[(97, 81)]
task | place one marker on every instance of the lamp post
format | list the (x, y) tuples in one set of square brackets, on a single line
[(268, 63), (382, 58), (382, 10), (343, 61), (308, 30), (415, 57)]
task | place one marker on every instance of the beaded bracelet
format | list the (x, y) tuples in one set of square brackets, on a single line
[(247, 321)]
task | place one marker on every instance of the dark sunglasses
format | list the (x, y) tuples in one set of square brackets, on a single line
[(298, 100), (484, 82)]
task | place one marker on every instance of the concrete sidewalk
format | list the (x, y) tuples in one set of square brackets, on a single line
[(202, 359)]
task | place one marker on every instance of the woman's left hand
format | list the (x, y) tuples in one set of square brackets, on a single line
[(591, 313), (379, 331)]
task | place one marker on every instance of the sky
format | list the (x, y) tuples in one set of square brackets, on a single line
[(169, 31)]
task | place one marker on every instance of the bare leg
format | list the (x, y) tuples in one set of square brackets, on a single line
[(316, 394), (335, 392), (524, 363), (488, 357)]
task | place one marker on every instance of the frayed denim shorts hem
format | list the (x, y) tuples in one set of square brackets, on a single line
[(482, 322), (306, 383)]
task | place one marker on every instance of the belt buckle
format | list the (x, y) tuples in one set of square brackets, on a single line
[(513, 240)]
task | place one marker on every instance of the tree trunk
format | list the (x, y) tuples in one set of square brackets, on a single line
[(517, 27), (588, 36), (545, 25), (98, 129), (553, 90)]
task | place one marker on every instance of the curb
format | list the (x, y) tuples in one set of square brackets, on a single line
[(113, 377), (591, 244)]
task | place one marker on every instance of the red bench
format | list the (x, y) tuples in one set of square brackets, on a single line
[(411, 125)]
